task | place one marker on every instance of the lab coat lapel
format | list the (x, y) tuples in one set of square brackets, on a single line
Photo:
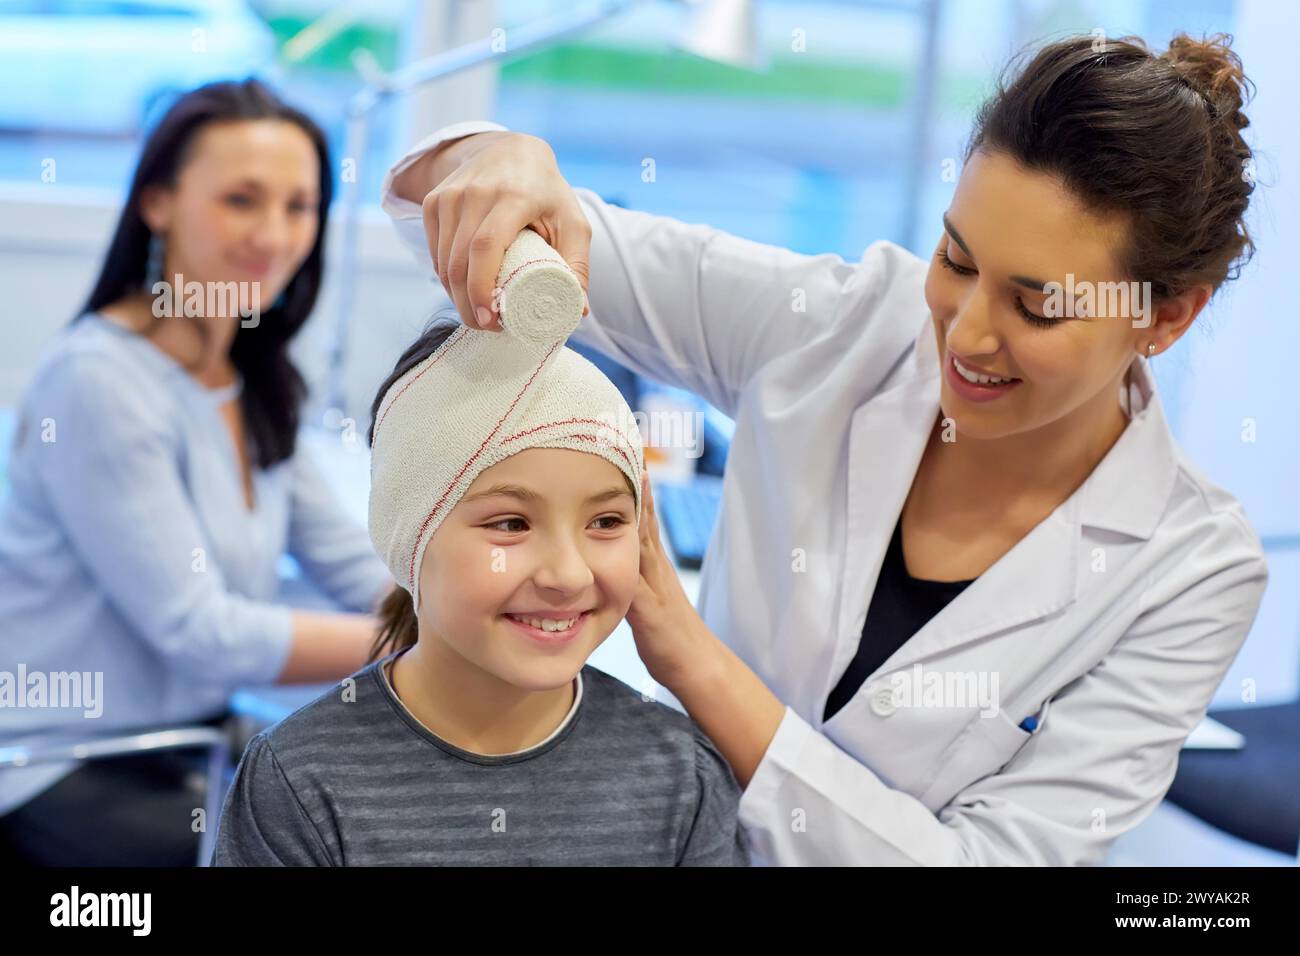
[(1036, 578), (887, 436), (1048, 570)]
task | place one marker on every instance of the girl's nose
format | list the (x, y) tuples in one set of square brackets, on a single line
[(563, 568)]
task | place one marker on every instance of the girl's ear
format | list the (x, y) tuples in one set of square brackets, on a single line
[(156, 204)]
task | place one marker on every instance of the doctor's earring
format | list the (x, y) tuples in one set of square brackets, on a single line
[(1151, 349)]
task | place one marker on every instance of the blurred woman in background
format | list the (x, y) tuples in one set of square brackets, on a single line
[(156, 482)]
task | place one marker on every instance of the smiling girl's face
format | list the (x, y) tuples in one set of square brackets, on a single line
[(1007, 232), (547, 532)]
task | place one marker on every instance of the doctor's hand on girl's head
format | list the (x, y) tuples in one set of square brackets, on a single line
[(667, 628), (493, 185)]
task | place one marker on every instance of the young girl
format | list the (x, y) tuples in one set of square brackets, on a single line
[(506, 499)]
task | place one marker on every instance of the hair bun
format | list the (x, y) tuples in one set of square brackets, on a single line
[(1211, 68)]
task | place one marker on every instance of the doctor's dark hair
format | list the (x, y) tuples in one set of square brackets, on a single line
[(1156, 138), (273, 388), (398, 624)]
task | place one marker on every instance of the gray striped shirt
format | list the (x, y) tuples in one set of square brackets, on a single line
[(621, 782)]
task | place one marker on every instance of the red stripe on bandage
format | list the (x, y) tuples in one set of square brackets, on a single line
[(436, 359), (497, 427), (594, 438)]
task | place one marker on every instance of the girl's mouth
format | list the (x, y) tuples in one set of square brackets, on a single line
[(548, 632)]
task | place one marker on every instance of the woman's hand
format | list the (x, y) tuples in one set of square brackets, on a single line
[(485, 189), (670, 635)]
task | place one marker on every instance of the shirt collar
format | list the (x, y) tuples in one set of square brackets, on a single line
[(166, 364), (1128, 490)]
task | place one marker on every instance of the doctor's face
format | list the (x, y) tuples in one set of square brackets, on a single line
[(548, 532), (1008, 231)]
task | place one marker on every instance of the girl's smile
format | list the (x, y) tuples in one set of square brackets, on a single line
[(548, 630)]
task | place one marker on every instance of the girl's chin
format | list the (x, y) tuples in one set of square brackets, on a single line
[(538, 678)]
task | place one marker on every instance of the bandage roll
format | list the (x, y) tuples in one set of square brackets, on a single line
[(540, 299)]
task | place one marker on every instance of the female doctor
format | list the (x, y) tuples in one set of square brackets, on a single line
[(941, 620)]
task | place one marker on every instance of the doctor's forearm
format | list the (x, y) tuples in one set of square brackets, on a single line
[(730, 704)]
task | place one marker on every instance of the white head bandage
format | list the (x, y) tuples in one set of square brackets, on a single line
[(484, 396)]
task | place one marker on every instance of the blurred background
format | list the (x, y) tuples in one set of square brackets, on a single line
[(824, 129)]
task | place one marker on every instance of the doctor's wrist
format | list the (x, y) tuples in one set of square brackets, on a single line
[(696, 665)]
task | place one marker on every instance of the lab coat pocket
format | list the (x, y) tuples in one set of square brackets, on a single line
[(985, 747)]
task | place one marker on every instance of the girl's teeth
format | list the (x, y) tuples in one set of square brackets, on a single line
[(977, 378), (546, 625)]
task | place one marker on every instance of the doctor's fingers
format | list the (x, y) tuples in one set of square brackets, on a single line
[(429, 212), (649, 521), (652, 554), (455, 210), (506, 218), (569, 234), (458, 214)]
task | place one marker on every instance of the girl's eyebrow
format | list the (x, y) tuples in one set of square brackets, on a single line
[(1035, 285), (530, 496), (609, 494), (511, 491)]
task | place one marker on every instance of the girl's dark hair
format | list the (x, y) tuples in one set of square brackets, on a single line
[(398, 626), (273, 388), (1156, 138)]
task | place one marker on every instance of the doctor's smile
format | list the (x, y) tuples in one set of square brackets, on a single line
[(977, 386)]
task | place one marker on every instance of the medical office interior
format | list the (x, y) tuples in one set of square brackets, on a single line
[(817, 126)]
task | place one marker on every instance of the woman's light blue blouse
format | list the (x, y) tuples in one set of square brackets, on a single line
[(127, 549)]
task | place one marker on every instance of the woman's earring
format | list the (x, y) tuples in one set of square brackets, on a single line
[(153, 267), (1151, 349)]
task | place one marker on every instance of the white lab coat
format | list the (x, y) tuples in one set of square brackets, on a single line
[(1114, 620)]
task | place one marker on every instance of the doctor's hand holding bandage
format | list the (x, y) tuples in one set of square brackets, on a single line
[(486, 188), (938, 477)]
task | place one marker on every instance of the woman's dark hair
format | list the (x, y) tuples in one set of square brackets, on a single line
[(398, 627), (273, 388), (1156, 138)]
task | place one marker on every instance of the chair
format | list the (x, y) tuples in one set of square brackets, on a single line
[(1252, 793), (215, 740)]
